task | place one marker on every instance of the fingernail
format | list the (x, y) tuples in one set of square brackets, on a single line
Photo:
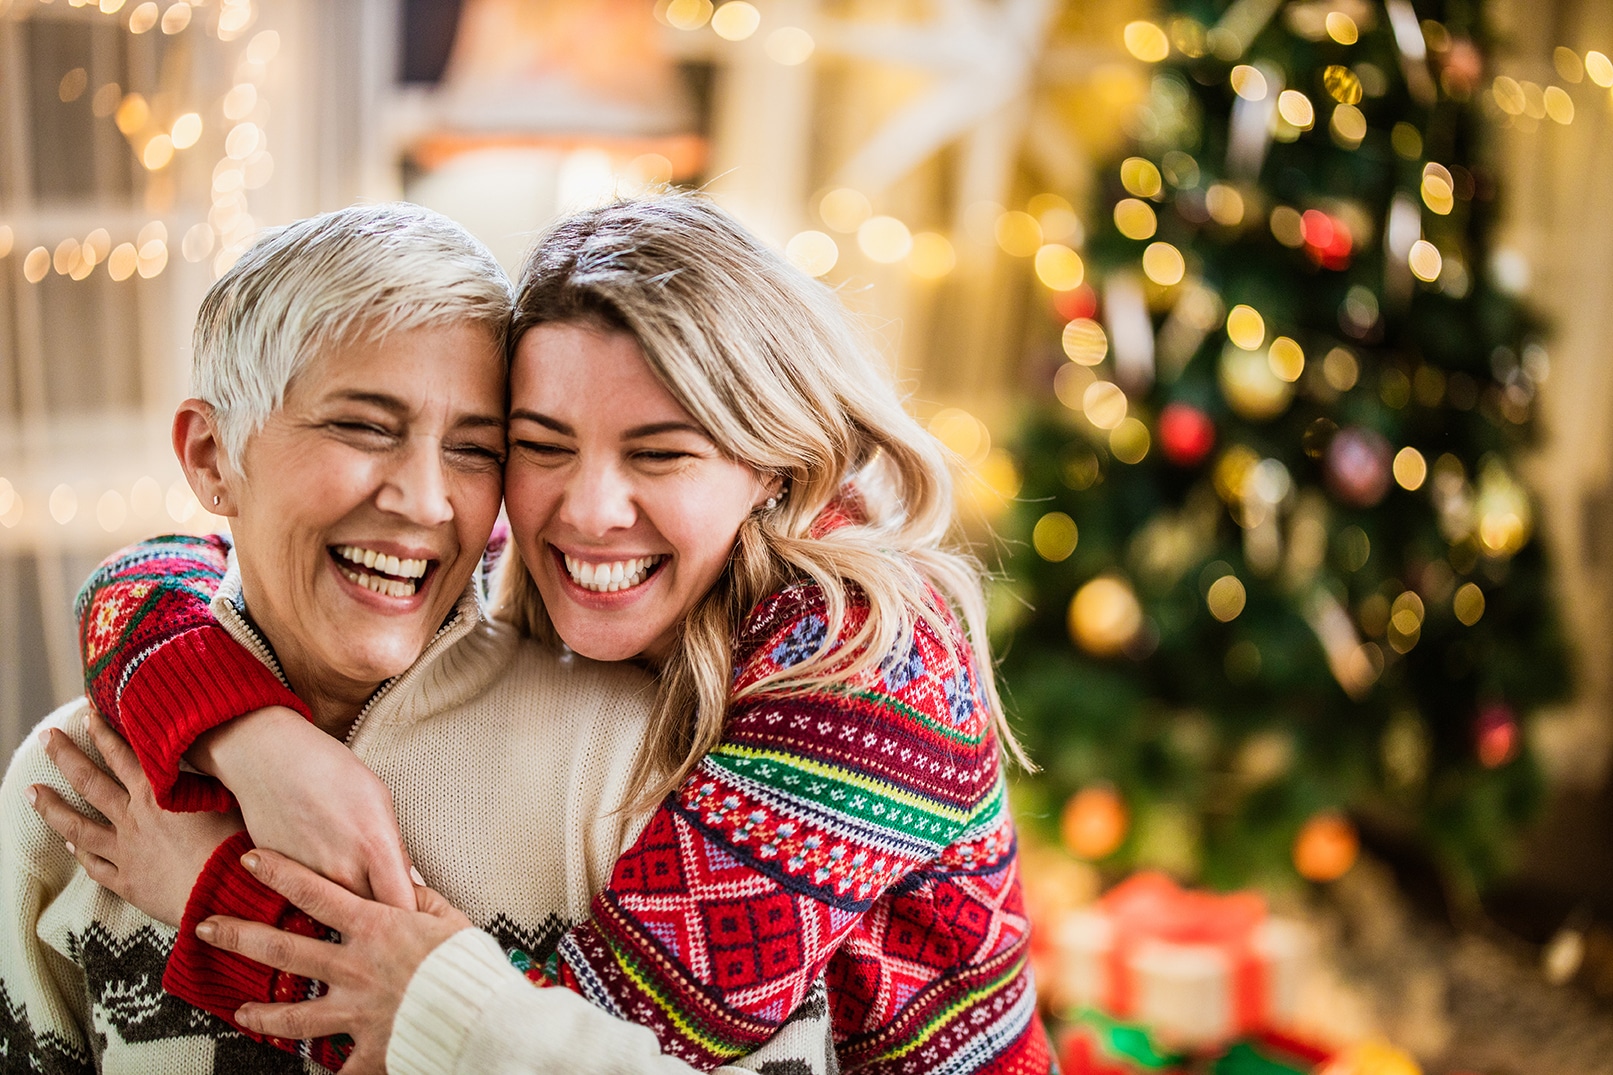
[(206, 931), (71, 850), (44, 736), (413, 873), (34, 795), (250, 861)]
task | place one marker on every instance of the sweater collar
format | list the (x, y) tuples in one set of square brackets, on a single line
[(229, 608)]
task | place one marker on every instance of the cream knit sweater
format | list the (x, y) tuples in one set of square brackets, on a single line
[(508, 764)]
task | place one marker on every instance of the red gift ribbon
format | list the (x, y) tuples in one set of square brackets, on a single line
[(1151, 906)]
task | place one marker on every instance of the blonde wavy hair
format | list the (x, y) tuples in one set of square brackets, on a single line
[(766, 360)]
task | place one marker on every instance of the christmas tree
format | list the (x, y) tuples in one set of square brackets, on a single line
[(1273, 577)]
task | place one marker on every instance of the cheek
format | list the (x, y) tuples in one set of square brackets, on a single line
[(476, 497), (530, 497), (703, 525)]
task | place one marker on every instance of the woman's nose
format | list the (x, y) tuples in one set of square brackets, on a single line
[(417, 487), (598, 499)]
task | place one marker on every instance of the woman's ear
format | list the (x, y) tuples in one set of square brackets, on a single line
[(773, 492), (201, 455)]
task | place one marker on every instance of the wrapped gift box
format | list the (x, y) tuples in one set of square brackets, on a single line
[(1271, 1054), (1197, 969), (1092, 1043)]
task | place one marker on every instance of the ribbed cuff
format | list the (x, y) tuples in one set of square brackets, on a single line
[(210, 978), (191, 684), (445, 1001)]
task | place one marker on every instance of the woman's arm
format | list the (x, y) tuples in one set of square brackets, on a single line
[(428, 995), (178, 687), (158, 665), (179, 868)]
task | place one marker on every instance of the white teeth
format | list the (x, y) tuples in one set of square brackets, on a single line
[(376, 584), (380, 561), (612, 576)]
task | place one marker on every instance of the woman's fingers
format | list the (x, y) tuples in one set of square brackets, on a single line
[(307, 1019), (98, 869), (389, 875), (119, 757), (85, 835), (302, 956), (324, 900), (87, 778)]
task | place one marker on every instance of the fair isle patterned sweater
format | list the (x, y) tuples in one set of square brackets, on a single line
[(860, 833)]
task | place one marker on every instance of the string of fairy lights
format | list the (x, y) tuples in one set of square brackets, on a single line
[(162, 130)]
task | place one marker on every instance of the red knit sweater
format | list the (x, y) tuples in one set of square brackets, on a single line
[(861, 830)]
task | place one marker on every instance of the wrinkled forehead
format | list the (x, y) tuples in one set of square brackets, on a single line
[(457, 366)]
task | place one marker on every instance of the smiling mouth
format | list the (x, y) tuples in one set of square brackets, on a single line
[(380, 573), (611, 576)]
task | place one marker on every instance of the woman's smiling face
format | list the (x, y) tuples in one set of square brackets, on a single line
[(623, 507), (364, 503)]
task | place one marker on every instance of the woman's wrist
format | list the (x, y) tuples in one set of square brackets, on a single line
[(222, 750)]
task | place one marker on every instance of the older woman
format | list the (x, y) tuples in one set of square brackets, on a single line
[(350, 374)]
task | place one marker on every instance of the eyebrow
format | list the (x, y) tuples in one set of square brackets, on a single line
[(398, 407), (637, 432)]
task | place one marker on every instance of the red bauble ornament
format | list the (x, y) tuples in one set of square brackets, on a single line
[(1496, 735), (1076, 303), (1186, 434), (1358, 467), (1327, 240)]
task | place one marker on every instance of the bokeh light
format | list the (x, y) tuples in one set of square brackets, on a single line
[(1085, 342), (1055, 536), (813, 252)]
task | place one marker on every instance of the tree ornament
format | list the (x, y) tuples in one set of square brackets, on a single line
[(1496, 735), (1371, 1058), (1186, 434), (1326, 847), (1076, 303), (1358, 466), (1105, 616), (1327, 239), (1094, 823), (1251, 387)]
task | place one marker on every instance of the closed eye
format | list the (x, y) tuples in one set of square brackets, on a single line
[(542, 449), (478, 453), (363, 431)]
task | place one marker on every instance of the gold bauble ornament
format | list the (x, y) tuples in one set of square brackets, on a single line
[(1326, 847), (1372, 1058), (1105, 616), (1094, 823), (1251, 387)]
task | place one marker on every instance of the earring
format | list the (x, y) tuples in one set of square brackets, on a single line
[(215, 500), (772, 502)]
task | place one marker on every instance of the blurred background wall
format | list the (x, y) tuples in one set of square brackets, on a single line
[(881, 142)]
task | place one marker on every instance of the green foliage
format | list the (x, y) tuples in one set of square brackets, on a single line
[(1223, 738)]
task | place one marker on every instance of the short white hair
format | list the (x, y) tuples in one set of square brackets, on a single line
[(319, 283)]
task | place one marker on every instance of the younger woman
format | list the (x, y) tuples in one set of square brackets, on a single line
[(710, 475)]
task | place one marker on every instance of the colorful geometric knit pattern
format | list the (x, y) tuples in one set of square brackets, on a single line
[(863, 829), (145, 627), (860, 831)]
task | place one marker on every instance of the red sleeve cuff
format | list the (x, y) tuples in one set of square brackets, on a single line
[(210, 978), (191, 684)]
